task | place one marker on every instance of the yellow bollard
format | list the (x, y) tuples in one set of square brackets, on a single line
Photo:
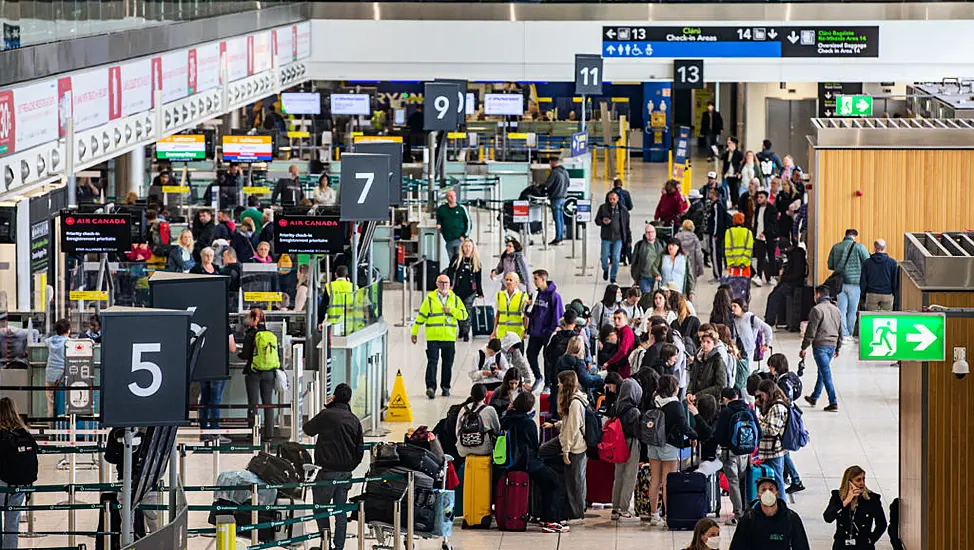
[(669, 164), (226, 533), (480, 156)]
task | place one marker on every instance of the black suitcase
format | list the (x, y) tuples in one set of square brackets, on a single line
[(276, 470), (483, 320), (419, 459), (432, 272)]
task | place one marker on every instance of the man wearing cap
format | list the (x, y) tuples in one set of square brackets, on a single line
[(770, 524), (739, 247), (730, 163)]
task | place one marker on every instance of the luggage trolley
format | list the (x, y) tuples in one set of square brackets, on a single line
[(385, 533)]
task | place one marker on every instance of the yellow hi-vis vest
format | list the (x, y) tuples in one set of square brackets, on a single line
[(440, 326), (738, 246), (339, 298), (510, 313)]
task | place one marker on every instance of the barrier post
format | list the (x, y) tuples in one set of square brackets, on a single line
[(173, 481), (253, 514), (396, 525), (574, 235), (73, 476), (410, 513), (544, 224), (101, 458), (361, 526), (182, 463), (226, 533), (584, 250), (126, 535), (216, 463), (106, 521)]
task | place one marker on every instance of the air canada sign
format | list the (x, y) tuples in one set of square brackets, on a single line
[(309, 235), (101, 233)]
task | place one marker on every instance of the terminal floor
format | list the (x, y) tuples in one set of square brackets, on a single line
[(863, 432)]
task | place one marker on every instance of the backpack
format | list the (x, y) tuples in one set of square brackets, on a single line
[(296, 454), (18, 457), (504, 455), (795, 435), (758, 341), (652, 429), (265, 351), (744, 435), (473, 432), (613, 447), (791, 385), (159, 237), (593, 426)]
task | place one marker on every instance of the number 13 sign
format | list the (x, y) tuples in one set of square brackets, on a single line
[(364, 187), (145, 367)]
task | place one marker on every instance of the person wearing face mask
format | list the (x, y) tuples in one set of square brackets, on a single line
[(603, 310), (857, 512), (770, 524), (706, 535), (441, 312)]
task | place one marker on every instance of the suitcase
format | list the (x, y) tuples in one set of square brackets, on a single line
[(547, 434), (513, 494), (482, 319), (643, 496), (686, 499), (754, 473), (713, 495), (380, 494), (740, 287), (432, 272), (276, 470), (544, 403), (476, 492), (599, 477), (458, 492), (417, 458), (443, 512)]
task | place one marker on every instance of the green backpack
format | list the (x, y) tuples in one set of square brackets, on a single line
[(265, 352)]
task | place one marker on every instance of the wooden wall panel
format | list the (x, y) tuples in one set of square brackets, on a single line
[(903, 191), (911, 434)]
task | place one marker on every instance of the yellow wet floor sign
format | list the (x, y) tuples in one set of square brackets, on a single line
[(399, 409)]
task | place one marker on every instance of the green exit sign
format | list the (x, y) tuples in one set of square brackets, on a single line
[(901, 337), (853, 105)]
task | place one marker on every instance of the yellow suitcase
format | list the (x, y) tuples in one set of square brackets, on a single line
[(476, 492)]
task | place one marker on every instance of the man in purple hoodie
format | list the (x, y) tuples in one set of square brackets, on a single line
[(546, 310)]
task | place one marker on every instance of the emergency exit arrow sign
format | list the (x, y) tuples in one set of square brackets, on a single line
[(854, 105), (901, 337)]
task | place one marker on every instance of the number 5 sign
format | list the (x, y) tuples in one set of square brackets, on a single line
[(145, 367), (364, 187), (588, 74)]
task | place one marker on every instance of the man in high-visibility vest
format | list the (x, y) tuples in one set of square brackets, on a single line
[(738, 248), (441, 313), (338, 294), (511, 305)]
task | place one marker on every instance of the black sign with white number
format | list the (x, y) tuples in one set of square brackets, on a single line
[(827, 92), (588, 74), (82, 233), (309, 235), (206, 297), (688, 74), (394, 150), (440, 107), (461, 94), (145, 367), (365, 187), (79, 375)]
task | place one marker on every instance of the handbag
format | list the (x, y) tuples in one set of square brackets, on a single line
[(837, 278)]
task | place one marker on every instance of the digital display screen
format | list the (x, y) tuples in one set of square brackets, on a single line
[(182, 147), (504, 104), (351, 104), (305, 103), (248, 148), (470, 106)]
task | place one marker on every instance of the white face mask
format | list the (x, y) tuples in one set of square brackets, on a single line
[(713, 542), (768, 498)]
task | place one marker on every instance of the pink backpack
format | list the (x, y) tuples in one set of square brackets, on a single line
[(613, 447)]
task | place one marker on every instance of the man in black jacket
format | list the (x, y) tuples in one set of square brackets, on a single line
[(205, 231), (557, 190), (770, 524), (793, 275), (716, 227), (288, 189), (765, 231), (338, 451), (711, 126)]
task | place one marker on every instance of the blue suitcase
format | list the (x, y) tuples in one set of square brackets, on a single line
[(754, 473), (443, 510), (687, 499), (482, 319)]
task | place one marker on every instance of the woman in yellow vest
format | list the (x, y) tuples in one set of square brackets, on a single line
[(511, 305)]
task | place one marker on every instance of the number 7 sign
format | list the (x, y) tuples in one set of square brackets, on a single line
[(364, 188)]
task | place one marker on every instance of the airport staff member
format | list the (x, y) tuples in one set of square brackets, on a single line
[(441, 312), (739, 248), (338, 294), (288, 189), (511, 305)]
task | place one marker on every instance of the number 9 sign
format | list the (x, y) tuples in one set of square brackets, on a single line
[(440, 104), (145, 367)]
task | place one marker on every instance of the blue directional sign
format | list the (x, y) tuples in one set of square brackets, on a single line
[(579, 144), (691, 49)]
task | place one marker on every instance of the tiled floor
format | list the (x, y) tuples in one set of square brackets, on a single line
[(864, 432)]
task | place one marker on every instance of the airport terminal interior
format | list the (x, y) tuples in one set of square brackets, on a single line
[(268, 265)]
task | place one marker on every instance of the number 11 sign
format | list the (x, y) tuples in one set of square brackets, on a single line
[(588, 74)]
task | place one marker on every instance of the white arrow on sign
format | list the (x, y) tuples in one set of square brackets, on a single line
[(610, 33), (924, 338), (612, 49), (863, 105), (793, 37), (828, 113), (828, 95), (773, 34)]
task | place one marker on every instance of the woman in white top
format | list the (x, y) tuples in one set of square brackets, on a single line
[(661, 307), (301, 296), (475, 404), (750, 170), (602, 311), (323, 194), (571, 436), (630, 304)]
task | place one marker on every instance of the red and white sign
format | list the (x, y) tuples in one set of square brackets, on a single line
[(294, 42), (236, 58), (136, 87), (191, 71), (303, 40), (156, 78), (261, 52), (64, 107), (207, 67), (36, 114), (8, 124), (250, 55), (175, 68), (285, 45), (114, 92), (522, 211), (89, 91)]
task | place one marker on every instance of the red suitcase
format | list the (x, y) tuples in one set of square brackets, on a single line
[(544, 403), (513, 495), (599, 477)]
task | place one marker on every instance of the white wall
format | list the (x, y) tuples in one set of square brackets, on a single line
[(755, 129)]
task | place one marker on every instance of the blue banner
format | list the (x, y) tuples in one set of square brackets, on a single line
[(579, 144), (691, 49), (657, 106)]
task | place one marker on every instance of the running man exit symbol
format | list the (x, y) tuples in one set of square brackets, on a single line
[(884, 338), (906, 336)]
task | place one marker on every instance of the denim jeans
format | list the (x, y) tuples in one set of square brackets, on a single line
[(790, 472), (558, 212), (615, 248), (10, 521), (646, 284), (333, 494), (778, 465), (453, 248), (848, 306), (211, 393), (434, 350), (823, 360)]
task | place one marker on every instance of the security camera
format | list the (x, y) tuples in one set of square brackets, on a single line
[(960, 367)]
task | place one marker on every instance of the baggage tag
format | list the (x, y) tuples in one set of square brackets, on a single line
[(850, 542)]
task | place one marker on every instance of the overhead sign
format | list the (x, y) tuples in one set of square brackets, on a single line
[(440, 106), (351, 104), (588, 74), (248, 148), (902, 336), (145, 367), (205, 296), (688, 74), (79, 376), (175, 76), (35, 115), (681, 153), (83, 233), (834, 41), (504, 104), (579, 144), (135, 83), (365, 187), (461, 102), (522, 211), (394, 150), (309, 235), (181, 147), (829, 91), (854, 105), (583, 211)]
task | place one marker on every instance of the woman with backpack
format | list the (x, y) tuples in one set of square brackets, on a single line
[(686, 322), (775, 408), (753, 334), (602, 311), (626, 409), (512, 261), (791, 386), (477, 424), (18, 466), (671, 435), (738, 367), (260, 351), (571, 437)]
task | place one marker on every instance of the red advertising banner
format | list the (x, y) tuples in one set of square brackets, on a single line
[(114, 92), (191, 71), (156, 77), (223, 55), (250, 55), (8, 123), (294, 42), (64, 104), (274, 44)]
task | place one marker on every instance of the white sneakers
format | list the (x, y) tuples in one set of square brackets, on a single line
[(757, 281)]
